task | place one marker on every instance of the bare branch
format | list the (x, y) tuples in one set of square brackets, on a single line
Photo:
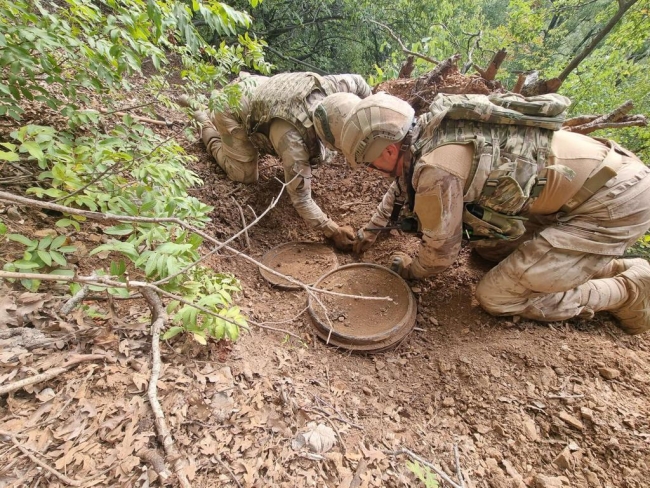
[(426, 463), (404, 49), (158, 318), (243, 221), (623, 7), (490, 72), (617, 118), (49, 374)]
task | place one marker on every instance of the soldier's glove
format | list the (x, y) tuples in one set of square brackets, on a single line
[(400, 262), (365, 239), (343, 238)]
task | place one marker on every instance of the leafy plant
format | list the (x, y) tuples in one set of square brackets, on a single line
[(424, 474), (46, 254)]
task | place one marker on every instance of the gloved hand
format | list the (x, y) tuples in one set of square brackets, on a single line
[(365, 239), (400, 262), (343, 238)]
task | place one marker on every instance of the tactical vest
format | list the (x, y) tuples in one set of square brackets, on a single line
[(284, 96), (509, 162)]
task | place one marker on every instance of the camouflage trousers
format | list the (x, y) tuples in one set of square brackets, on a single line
[(565, 266), (226, 139)]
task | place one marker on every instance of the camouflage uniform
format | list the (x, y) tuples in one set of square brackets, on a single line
[(556, 250), (276, 118)]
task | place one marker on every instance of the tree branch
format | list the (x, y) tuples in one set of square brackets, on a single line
[(623, 7), (404, 49), (158, 317)]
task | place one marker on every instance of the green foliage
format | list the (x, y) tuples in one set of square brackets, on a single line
[(424, 474), (44, 255), (64, 58)]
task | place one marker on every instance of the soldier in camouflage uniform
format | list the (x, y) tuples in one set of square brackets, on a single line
[(555, 209), (275, 117)]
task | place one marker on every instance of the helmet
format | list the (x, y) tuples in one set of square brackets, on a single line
[(329, 116), (374, 123)]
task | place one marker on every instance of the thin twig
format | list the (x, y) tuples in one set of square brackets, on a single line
[(426, 463), (45, 466), (232, 475), (243, 221), (49, 374), (282, 331), (75, 300), (158, 317), (459, 471), (404, 49)]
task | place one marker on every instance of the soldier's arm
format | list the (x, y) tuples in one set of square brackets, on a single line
[(439, 207), (396, 192), (291, 148)]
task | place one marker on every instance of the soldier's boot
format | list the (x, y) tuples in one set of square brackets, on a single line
[(616, 266), (634, 314)]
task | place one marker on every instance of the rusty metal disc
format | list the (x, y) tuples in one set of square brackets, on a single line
[(359, 324), (304, 261)]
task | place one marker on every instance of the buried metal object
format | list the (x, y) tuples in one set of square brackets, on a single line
[(304, 261), (359, 324)]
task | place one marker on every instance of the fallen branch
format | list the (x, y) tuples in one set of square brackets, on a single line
[(459, 471), (426, 463), (76, 299), (164, 123), (243, 221), (158, 317), (45, 466), (617, 118), (49, 374)]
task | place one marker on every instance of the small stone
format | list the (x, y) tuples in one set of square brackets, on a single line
[(380, 365), (609, 373), (45, 233), (563, 460), (541, 481), (483, 429), (416, 289), (448, 402), (367, 390), (13, 214), (587, 413), (341, 318), (592, 479), (571, 420), (573, 447), (434, 321), (530, 429)]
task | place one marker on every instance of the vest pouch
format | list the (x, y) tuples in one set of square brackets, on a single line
[(504, 195), (486, 223)]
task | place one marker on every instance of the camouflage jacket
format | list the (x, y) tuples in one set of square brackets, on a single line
[(292, 97)]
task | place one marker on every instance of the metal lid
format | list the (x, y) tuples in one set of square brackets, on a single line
[(304, 261), (360, 324)]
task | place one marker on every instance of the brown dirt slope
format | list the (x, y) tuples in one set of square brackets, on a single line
[(527, 404)]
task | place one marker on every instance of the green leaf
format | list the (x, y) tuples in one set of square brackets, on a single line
[(62, 272), (3, 228), (45, 257), (198, 337), (9, 156), (173, 331), (21, 239), (57, 242), (44, 243), (58, 258), (119, 230), (22, 264)]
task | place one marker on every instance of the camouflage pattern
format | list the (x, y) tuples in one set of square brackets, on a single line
[(546, 111), (296, 92), (508, 160)]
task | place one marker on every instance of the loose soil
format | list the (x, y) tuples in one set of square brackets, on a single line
[(528, 404)]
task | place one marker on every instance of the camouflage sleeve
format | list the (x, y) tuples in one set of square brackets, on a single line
[(439, 207), (291, 148), (354, 84), (382, 214)]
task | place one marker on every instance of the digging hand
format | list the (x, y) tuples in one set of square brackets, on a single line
[(365, 239), (400, 262), (343, 238)]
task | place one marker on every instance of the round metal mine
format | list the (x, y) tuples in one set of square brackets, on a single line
[(304, 261), (360, 324)]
